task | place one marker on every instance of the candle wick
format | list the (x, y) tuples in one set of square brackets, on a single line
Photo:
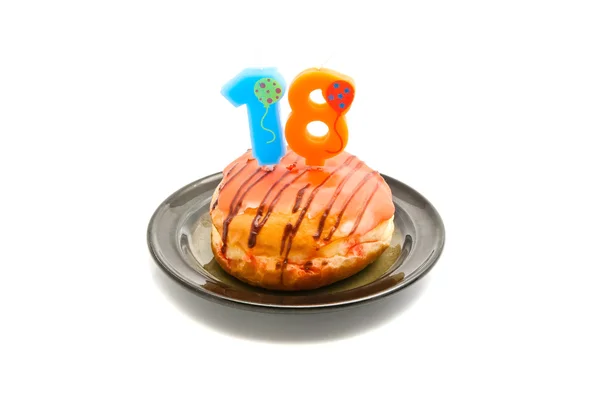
[(326, 60)]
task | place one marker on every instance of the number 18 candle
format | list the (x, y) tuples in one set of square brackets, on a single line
[(260, 90)]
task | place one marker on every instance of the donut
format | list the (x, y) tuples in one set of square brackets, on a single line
[(293, 227)]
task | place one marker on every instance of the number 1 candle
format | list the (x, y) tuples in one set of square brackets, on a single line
[(260, 90), (338, 91)]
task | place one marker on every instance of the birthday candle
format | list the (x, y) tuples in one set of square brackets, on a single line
[(338, 91), (260, 90)]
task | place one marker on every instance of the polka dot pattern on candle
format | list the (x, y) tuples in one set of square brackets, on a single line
[(340, 95), (268, 91)]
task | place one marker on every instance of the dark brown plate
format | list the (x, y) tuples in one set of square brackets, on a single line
[(179, 241)]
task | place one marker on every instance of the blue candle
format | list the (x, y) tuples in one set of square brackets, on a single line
[(260, 90)]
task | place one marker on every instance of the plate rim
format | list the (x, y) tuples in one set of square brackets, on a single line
[(424, 267)]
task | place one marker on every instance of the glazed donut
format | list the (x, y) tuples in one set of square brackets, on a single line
[(297, 227)]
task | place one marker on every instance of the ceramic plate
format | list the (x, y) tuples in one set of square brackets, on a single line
[(179, 241)]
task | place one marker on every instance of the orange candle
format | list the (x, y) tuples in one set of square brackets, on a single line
[(338, 91)]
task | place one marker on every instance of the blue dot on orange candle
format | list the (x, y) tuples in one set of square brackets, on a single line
[(340, 96), (342, 105)]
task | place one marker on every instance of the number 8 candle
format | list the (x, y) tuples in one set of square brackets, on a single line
[(338, 91), (260, 90)]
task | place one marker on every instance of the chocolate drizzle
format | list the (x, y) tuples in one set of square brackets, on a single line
[(233, 176), (231, 170), (341, 213), (258, 224), (236, 203), (290, 233), (286, 231), (224, 183), (299, 197), (334, 198), (362, 209)]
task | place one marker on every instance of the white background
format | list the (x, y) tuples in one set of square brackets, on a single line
[(488, 108)]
